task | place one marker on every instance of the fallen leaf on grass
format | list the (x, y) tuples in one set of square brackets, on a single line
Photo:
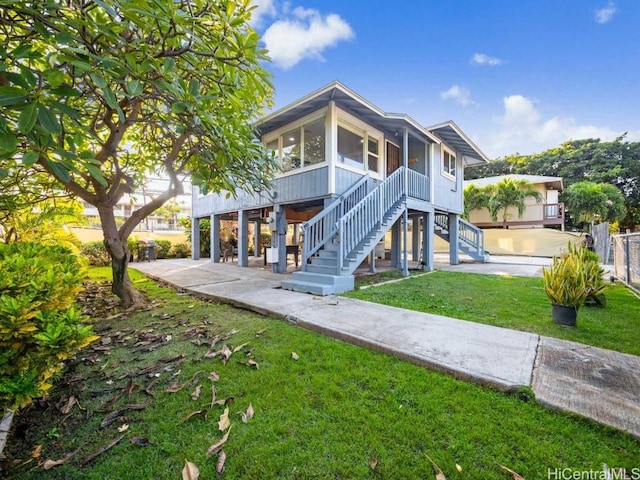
[(240, 347), (196, 393), (123, 428), (516, 476), (459, 468), (68, 405), (260, 332), (222, 457), (37, 450), (101, 450), (174, 387), (190, 471), (48, 464), (251, 363), (224, 422), (215, 448), (439, 473), (214, 377), (248, 415), (295, 356), (373, 463), (204, 413), (225, 353)]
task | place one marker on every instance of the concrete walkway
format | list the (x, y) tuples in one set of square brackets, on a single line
[(592, 382)]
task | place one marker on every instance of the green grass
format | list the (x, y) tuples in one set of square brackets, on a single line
[(514, 302), (323, 416)]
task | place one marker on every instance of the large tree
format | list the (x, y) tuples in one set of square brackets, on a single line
[(594, 202), (96, 94)]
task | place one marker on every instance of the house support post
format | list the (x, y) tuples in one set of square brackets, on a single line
[(214, 239), (427, 240), (415, 239), (372, 261), (395, 245), (195, 239), (256, 239), (454, 256), (279, 240), (405, 243), (243, 238)]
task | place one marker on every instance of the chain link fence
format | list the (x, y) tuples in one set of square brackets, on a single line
[(626, 255)]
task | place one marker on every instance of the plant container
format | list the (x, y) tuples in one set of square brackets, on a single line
[(564, 315)]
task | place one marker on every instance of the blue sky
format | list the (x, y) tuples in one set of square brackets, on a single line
[(518, 76)]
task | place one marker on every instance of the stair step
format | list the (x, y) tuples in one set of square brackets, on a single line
[(324, 269), (330, 261), (318, 284)]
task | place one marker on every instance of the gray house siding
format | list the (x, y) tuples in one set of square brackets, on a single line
[(294, 187)]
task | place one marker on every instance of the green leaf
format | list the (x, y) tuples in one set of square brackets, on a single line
[(194, 87), (59, 170), (30, 158), (28, 118), (99, 81), (66, 92), (178, 107), (55, 78), (11, 96), (110, 98), (8, 142), (22, 51), (169, 64), (134, 88), (48, 120), (96, 173)]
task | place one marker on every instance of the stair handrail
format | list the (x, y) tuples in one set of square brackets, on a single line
[(472, 235), (322, 227), (376, 203)]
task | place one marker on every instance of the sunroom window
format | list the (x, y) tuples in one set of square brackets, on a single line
[(300, 146), (350, 147)]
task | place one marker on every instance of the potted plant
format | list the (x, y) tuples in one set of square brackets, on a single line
[(565, 283)]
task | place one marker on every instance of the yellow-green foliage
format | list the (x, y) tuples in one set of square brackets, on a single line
[(39, 326), (573, 276)]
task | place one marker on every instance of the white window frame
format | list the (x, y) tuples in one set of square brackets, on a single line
[(357, 126), (446, 167), (298, 124)]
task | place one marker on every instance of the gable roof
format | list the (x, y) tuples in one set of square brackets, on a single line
[(554, 182), (389, 123), (453, 136)]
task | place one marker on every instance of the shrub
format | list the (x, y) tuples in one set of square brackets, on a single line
[(39, 326), (95, 253), (182, 250), (163, 248)]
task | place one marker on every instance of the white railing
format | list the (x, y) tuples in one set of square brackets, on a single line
[(358, 222), (418, 185), (323, 227)]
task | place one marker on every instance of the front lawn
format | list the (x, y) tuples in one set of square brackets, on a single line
[(334, 411), (514, 302)]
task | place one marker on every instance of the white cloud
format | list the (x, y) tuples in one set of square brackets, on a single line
[(460, 95), (305, 34), (264, 9), (522, 129), (482, 59), (605, 14)]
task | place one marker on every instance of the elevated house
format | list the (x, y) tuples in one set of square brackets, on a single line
[(549, 213), (350, 173)]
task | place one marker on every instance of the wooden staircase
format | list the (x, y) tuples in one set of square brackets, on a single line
[(470, 237), (338, 239)]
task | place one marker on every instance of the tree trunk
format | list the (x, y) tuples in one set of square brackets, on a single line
[(116, 246)]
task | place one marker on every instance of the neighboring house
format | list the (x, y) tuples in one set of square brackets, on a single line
[(351, 172), (549, 213), (163, 219)]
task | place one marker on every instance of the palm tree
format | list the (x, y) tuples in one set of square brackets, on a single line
[(510, 192), (475, 198)]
